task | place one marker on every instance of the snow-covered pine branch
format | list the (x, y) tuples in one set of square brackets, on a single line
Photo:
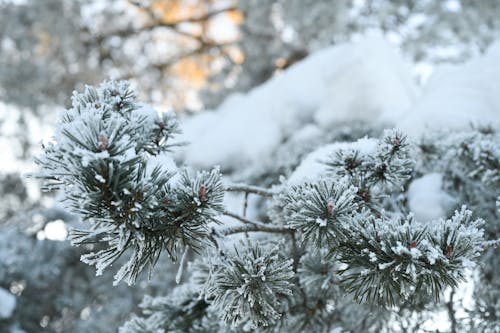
[(341, 236), (102, 158)]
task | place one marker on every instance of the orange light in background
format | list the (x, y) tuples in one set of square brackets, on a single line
[(193, 70), (201, 29), (236, 54), (280, 62), (235, 16), (169, 11)]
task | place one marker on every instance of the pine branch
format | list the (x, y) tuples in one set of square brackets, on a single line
[(102, 160), (251, 286)]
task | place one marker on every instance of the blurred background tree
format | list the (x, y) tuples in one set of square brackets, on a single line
[(188, 55)]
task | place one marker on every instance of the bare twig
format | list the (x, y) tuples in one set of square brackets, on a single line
[(252, 226), (451, 313), (491, 244), (212, 237), (250, 189), (245, 204), (245, 220), (295, 253), (245, 207), (255, 228)]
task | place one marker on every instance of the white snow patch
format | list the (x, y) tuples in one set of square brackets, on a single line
[(16, 329), (100, 179), (7, 304), (321, 222), (312, 167), (456, 96), (165, 162), (368, 82), (145, 112), (426, 198), (55, 231)]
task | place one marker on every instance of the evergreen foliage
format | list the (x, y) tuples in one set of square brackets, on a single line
[(387, 258), (388, 261), (470, 164), (250, 286), (183, 311), (320, 211), (390, 165), (102, 159), (327, 244)]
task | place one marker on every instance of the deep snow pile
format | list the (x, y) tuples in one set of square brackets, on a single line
[(352, 81), (364, 81), (456, 96)]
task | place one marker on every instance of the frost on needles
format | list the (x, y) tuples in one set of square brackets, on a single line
[(347, 232), (101, 158)]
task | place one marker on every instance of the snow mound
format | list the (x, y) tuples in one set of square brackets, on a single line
[(457, 96), (364, 81), (367, 82), (7, 304), (355, 81), (426, 198)]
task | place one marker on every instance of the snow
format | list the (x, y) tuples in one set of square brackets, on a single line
[(456, 96), (88, 156), (360, 81), (364, 81), (146, 114), (311, 166), (55, 231), (426, 198), (321, 222), (368, 82), (16, 329), (100, 179), (166, 162), (7, 304)]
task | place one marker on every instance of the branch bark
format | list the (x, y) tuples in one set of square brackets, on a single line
[(245, 220), (250, 189), (252, 226), (255, 228), (451, 313)]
